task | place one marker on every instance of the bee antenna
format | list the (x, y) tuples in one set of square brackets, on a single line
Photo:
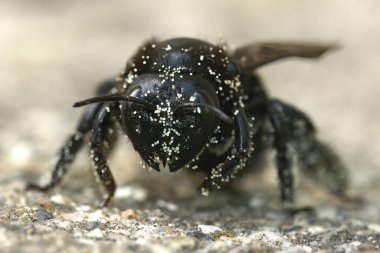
[(222, 115), (108, 98)]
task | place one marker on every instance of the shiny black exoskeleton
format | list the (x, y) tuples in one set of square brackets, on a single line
[(186, 103)]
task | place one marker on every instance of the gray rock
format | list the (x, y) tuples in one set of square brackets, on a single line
[(52, 54)]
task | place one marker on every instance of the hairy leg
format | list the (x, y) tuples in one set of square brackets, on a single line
[(99, 148), (75, 141), (70, 149), (237, 157), (295, 141)]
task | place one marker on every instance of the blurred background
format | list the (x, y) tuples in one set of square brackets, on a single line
[(53, 53)]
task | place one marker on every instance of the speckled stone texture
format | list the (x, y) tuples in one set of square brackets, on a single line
[(52, 54)]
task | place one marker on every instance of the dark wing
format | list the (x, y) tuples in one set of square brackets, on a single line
[(254, 55)]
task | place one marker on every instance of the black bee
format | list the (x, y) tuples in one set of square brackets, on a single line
[(186, 103)]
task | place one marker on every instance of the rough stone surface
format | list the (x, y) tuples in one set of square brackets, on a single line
[(54, 52)]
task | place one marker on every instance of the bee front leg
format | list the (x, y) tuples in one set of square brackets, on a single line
[(98, 151), (68, 152), (237, 157)]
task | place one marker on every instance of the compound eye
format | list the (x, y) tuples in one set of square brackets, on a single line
[(232, 70), (136, 92), (198, 98), (195, 110)]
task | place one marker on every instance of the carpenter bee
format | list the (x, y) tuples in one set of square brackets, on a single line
[(188, 104)]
